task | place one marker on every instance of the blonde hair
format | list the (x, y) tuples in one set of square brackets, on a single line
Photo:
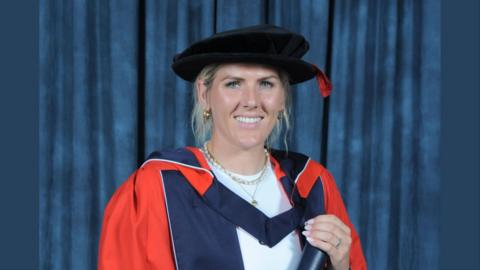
[(202, 128)]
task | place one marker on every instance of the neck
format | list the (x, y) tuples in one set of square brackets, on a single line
[(238, 160)]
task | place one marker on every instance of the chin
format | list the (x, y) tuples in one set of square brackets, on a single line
[(251, 142)]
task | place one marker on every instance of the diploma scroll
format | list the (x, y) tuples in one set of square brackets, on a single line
[(312, 258)]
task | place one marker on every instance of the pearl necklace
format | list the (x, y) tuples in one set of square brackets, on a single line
[(235, 178), (238, 180)]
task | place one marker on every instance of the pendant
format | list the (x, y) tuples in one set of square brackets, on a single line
[(254, 202)]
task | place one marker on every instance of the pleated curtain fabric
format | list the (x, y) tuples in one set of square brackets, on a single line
[(88, 137), (108, 98), (384, 127)]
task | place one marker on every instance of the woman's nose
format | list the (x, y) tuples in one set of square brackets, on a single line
[(250, 96)]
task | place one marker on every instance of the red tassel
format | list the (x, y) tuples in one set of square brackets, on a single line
[(324, 84)]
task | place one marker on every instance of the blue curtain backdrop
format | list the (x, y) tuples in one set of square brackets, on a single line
[(108, 98)]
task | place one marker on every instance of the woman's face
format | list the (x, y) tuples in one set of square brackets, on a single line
[(244, 100)]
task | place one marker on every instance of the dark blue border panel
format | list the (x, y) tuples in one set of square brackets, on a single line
[(460, 135), (18, 135)]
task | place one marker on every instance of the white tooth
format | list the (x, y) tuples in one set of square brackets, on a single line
[(248, 119)]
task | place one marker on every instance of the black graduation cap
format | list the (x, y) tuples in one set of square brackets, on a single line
[(260, 44)]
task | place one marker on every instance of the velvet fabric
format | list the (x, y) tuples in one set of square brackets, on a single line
[(260, 44), (108, 97)]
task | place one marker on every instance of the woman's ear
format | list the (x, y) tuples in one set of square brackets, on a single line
[(202, 93)]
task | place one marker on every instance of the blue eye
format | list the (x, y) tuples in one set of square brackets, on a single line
[(266, 84), (233, 84)]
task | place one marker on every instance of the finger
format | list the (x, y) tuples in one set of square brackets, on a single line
[(323, 236), (325, 246), (328, 227), (329, 219), (335, 252), (333, 238)]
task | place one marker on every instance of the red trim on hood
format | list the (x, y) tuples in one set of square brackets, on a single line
[(276, 167), (201, 180), (307, 178)]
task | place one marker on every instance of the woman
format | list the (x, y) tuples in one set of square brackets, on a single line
[(232, 203)]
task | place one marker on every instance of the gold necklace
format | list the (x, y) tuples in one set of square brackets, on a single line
[(238, 180), (235, 178), (252, 196)]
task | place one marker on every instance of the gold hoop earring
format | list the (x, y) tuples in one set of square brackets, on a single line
[(206, 115)]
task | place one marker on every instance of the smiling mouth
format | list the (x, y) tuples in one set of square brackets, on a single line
[(248, 120)]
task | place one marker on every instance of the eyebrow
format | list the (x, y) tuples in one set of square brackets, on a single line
[(269, 77), (228, 77), (242, 79)]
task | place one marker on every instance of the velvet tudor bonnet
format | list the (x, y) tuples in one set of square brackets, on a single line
[(261, 44)]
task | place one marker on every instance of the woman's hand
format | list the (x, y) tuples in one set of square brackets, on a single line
[(330, 234)]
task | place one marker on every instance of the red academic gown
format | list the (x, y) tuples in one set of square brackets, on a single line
[(173, 214)]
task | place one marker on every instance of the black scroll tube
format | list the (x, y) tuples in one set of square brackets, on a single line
[(312, 258)]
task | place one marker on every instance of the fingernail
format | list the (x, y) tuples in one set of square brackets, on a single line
[(309, 239), (308, 227), (309, 222), (306, 233)]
